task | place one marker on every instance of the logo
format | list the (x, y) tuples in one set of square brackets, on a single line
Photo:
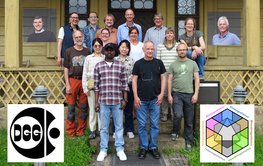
[(35, 133), (227, 133)]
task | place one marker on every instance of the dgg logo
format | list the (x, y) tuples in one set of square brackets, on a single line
[(36, 133)]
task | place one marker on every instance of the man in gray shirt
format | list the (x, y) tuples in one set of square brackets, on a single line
[(156, 34)]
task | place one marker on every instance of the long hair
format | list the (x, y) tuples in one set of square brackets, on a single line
[(169, 29), (127, 44)]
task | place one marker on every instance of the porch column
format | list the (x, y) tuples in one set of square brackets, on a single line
[(13, 42), (252, 32)]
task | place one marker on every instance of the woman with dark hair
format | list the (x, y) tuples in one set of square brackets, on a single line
[(124, 50), (196, 44), (88, 83), (136, 51)]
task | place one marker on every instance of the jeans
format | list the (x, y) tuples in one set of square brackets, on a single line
[(142, 116), (200, 61), (117, 114), (183, 107)]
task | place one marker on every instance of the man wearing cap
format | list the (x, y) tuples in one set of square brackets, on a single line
[(110, 86)]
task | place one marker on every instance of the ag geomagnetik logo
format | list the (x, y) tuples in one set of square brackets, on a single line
[(35, 132)]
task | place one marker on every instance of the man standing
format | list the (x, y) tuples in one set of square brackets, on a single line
[(123, 29), (148, 84), (40, 34), (90, 30), (73, 67), (156, 34), (182, 95), (111, 86), (65, 39), (109, 22)]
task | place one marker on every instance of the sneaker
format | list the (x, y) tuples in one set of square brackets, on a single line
[(130, 134), (92, 135), (164, 118), (122, 156), (174, 137), (113, 135), (188, 147), (101, 156)]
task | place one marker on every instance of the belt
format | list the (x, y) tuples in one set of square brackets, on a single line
[(77, 77)]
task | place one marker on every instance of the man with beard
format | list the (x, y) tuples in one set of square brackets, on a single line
[(182, 95), (111, 86), (73, 67)]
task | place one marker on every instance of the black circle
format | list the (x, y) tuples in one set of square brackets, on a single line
[(54, 133)]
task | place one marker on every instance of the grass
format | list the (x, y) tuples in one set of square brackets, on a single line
[(77, 152), (194, 155)]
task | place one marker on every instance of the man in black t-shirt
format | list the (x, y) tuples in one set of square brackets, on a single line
[(148, 84)]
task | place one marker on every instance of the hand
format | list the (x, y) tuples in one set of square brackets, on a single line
[(194, 55), (97, 107), (159, 99), (123, 104), (137, 102), (68, 89), (194, 99), (59, 61), (170, 99), (88, 93)]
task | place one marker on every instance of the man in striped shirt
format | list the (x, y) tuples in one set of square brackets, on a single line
[(110, 86)]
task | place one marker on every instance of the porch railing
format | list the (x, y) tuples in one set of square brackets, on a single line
[(17, 85)]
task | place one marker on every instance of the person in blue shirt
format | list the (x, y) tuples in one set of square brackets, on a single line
[(224, 37), (123, 29)]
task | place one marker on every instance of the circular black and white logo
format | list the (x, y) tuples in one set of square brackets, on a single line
[(34, 132)]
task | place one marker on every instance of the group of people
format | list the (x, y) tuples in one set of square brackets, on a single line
[(112, 73)]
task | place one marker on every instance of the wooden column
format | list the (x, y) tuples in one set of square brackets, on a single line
[(13, 43), (252, 32)]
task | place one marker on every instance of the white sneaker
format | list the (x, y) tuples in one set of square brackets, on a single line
[(122, 156), (113, 135), (101, 156), (130, 134)]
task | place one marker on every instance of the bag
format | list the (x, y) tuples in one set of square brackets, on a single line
[(90, 84)]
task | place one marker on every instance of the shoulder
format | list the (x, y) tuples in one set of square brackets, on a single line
[(121, 26), (138, 26), (199, 33)]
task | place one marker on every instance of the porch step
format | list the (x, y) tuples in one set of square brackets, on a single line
[(132, 145)]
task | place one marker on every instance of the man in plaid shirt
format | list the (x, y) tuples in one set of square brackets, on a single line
[(110, 86)]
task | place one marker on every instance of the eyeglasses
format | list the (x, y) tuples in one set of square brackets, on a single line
[(93, 17), (74, 17), (97, 46), (105, 34), (182, 50)]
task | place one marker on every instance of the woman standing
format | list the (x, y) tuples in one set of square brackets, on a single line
[(196, 44), (136, 51), (124, 50), (168, 54), (88, 83)]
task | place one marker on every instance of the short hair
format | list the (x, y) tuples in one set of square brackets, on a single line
[(73, 34), (94, 13), (181, 44), (70, 15), (109, 15), (158, 15), (106, 29), (127, 44), (224, 18), (148, 41), (38, 17), (132, 28)]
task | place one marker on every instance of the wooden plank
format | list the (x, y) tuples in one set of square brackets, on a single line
[(36, 51), (225, 61), (34, 3)]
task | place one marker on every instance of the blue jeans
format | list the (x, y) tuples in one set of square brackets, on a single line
[(142, 116), (200, 61), (117, 114), (183, 107), (129, 127)]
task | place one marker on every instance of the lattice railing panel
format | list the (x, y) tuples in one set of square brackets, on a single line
[(16, 86)]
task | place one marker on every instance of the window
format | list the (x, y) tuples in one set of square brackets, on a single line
[(135, 4)]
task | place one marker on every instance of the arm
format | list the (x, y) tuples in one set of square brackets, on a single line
[(199, 50), (169, 88), (84, 77), (97, 107), (140, 33), (68, 88), (125, 99), (146, 37), (59, 60), (137, 101), (197, 84), (160, 96)]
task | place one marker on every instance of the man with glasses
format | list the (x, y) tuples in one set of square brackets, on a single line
[(65, 39), (73, 68), (148, 84), (156, 34), (181, 93), (90, 30)]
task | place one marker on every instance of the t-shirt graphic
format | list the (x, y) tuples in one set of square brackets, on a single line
[(183, 70), (78, 60)]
